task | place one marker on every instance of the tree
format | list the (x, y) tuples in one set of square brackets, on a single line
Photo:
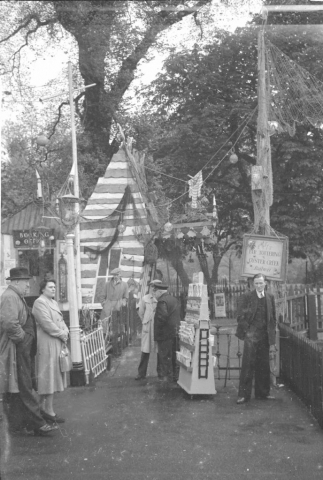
[(202, 98), (112, 37)]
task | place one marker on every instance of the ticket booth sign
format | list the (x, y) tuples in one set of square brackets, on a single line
[(31, 238), (266, 255)]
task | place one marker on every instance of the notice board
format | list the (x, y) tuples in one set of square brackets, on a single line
[(266, 255)]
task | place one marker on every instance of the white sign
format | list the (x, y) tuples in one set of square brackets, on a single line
[(219, 305), (266, 255)]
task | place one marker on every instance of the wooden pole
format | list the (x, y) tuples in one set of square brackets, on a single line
[(262, 199)]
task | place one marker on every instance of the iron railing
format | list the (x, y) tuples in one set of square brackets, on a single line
[(301, 367)]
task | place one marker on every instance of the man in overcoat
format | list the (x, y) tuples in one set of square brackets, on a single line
[(257, 327), (146, 312), (166, 326), (17, 352)]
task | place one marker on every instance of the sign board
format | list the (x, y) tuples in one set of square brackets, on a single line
[(219, 305), (266, 255), (31, 238)]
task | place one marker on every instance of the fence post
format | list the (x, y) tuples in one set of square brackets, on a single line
[(312, 321)]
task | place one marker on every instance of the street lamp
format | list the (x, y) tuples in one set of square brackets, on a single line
[(69, 218)]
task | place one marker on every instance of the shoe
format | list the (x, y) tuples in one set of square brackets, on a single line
[(44, 430), (139, 377), (162, 379), (242, 400), (267, 397), (52, 418)]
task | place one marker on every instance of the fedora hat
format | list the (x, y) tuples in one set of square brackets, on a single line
[(19, 273)]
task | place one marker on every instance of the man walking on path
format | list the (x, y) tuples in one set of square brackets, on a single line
[(257, 327), (146, 313), (166, 325), (18, 343)]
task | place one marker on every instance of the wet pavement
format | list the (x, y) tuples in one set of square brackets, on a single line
[(121, 429)]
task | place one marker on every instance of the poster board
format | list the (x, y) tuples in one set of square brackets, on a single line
[(219, 305), (266, 255)]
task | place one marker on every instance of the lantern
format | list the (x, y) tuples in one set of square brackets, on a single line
[(42, 140), (121, 228), (168, 227), (67, 209), (233, 157)]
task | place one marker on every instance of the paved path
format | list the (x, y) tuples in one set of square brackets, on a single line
[(121, 429)]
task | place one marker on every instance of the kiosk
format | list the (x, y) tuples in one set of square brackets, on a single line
[(196, 375)]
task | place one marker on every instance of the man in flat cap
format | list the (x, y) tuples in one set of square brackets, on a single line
[(166, 325), (17, 352), (115, 296), (146, 312)]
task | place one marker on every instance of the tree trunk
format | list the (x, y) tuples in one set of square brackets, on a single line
[(215, 270), (178, 266)]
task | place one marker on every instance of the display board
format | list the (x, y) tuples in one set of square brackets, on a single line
[(266, 255), (219, 305)]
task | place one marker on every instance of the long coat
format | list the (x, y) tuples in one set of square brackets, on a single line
[(13, 316), (51, 329), (167, 318), (146, 313), (246, 312), (114, 296)]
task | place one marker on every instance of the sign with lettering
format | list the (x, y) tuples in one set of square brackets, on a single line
[(31, 238), (219, 305), (267, 255)]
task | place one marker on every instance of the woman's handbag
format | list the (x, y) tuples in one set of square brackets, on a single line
[(65, 361)]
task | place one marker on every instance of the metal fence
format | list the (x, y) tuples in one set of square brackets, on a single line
[(301, 367), (93, 352)]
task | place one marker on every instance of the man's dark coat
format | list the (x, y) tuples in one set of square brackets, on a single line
[(246, 311), (167, 318)]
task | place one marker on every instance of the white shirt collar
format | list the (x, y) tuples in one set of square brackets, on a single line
[(260, 294)]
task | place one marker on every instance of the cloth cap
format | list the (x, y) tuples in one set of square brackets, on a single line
[(116, 271), (19, 273), (160, 286), (154, 282)]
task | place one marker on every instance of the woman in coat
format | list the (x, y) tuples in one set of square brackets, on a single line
[(146, 313), (52, 334)]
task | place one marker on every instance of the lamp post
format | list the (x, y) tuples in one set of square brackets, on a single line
[(69, 217)]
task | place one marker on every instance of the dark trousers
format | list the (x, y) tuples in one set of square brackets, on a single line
[(167, 359), (255, 363), (22, 409), (143, 365)]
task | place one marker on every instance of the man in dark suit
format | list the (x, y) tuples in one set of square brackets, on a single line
[(257, 327), (166, 324)]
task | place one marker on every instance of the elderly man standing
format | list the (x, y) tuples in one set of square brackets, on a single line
[(17, 353), (146, 313), (116, 294), (166, 324)]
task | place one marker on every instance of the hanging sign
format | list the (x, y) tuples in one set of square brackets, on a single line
[(31, 238), (266, 255), (219, 305)]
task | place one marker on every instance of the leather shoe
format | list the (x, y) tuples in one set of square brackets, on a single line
[(241, 400), (139, 377), (267, 397)]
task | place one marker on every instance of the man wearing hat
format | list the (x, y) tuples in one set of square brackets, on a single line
[(166, 324), (17, 352), (146, 312), (116, 294)]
